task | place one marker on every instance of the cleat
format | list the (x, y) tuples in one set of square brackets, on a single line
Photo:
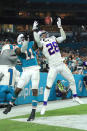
[(8, 109), (77, 100), (43, 110), (32, 116)]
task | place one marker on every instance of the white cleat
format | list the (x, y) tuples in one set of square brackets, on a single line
[(43, 110), (77, 99)]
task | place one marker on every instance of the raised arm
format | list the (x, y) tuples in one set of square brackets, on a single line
[(36, 34), (63, 35), (24, 45)]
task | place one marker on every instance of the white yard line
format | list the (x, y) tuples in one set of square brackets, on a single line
[(70, 121), (26, 109)]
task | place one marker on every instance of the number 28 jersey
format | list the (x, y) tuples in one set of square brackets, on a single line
[(51, 51)]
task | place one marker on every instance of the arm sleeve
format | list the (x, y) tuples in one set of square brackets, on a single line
[(37, 39), (24, 46), (62, 37)]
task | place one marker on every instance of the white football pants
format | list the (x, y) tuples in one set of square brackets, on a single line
[(65, 72), (28, 74)]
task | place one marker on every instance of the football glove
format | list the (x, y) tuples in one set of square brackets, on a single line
[(59, 22), (35, 25)]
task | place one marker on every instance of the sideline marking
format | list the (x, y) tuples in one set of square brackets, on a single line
[(70, 121)]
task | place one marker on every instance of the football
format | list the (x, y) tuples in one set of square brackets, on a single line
[(48, 20)]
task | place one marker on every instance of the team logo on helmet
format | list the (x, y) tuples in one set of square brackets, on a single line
[(20, 39)]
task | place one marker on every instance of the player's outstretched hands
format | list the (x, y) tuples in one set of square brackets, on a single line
[(35, 25), (59, 22)]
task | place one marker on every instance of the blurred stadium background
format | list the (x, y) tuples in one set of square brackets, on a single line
[(18, 16)]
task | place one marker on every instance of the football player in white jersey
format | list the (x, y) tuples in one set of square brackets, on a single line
[(5, 47), (50, 49), (8, 76), (8, 60)]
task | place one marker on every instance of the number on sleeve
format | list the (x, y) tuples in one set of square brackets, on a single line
[(11, 75)]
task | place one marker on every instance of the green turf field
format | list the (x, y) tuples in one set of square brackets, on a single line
[(9, 125)]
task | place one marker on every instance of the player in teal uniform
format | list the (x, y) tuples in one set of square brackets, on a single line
[(30, 72)]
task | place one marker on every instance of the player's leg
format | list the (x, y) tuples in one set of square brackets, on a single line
[(10, 104), (50, 79), (9, 99), (35, 84), (21, 83), (2, 93), (66, 73), (24, 79)]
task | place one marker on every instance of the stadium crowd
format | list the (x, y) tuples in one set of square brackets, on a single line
[(74, 54), (73, 49)]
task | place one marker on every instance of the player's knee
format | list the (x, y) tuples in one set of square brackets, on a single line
[(48, 87), (72, 82), (17, 91), (35, 92)]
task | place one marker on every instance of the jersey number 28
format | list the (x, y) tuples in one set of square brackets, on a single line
[(52, 48)]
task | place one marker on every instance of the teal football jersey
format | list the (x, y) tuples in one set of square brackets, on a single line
[(30, 59)]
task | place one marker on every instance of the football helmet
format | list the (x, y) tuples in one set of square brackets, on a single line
[(20, 39), (43, 34)]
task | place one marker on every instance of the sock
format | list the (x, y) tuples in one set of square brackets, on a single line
[(45, 103), (74, 95), (73, 88), (34, 102), (46, 95), (13, 98), (33, 111)]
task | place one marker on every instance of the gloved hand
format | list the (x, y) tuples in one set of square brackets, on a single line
[(35, 25), (59, 22)]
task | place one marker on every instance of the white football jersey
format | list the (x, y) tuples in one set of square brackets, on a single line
[(10, 74), (51, 51), (5, 47)]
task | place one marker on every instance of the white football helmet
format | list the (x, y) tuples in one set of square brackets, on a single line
[(43, 34), (20, 39)]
